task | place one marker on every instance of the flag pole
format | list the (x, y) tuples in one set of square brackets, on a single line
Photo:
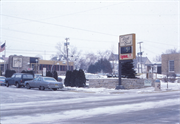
[(4, 57)]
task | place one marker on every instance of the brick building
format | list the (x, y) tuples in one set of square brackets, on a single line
[(170, 63)]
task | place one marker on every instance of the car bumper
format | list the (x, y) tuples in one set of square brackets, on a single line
[(58, 87), (3, 84)]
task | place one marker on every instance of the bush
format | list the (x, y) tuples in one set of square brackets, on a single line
[(75, 78), (80, 79), (49, 74), (55, 75), (28, 72), (9, 73), (67, 81), (172, 77)]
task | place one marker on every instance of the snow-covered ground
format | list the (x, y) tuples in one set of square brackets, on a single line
[(171, 87)]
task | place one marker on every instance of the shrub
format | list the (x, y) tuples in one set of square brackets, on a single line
[(67, 80), (9, 73)]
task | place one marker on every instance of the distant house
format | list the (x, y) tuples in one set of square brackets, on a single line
[(145, 64), (170, 63)]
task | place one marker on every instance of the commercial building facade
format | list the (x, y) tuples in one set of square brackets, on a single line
[(20, 63), (171, 63)]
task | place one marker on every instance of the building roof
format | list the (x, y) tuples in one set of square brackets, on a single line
[(145, 60)]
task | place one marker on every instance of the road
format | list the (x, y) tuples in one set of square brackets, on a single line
[(23, 106)]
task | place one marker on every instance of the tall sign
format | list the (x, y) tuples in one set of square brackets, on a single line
[(127, 51), (127, 47)]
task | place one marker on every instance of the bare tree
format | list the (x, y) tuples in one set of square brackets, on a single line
[(104, 54), (74, 53), (39, 56), (171, 51), (157, 58)]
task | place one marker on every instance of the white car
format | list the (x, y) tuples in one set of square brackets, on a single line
[(43, 82)]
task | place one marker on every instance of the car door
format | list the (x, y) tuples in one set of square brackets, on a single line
[(38, 82), (33, 82), (11, 80)]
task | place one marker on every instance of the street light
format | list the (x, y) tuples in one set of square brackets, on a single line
[(36, 65)]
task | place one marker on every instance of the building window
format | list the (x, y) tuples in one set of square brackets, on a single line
[(171, 65)]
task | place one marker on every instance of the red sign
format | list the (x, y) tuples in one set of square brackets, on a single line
[(126, 56)]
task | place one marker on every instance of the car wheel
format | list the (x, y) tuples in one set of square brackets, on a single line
[(28, 86), (7, 84), (54, 89), (41, 88), (17, 85)]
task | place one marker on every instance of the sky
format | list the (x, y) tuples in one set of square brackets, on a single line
[(31, 27)]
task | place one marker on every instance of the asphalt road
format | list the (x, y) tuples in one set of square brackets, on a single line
[(23, 106)]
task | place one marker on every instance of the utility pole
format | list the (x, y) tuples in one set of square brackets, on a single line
[(66, 44), (138, 62), (140, 54)]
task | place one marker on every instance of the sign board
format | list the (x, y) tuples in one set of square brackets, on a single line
[(147, 82), (29, 69), (44, 72), (127, 47), (17, 62)]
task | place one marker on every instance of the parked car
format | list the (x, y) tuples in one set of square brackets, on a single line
[(18, 79), (2, 81), (44, 82)]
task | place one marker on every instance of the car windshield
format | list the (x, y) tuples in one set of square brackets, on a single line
[(49, 79)]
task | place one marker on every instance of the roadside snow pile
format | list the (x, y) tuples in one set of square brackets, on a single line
[(171, 87)]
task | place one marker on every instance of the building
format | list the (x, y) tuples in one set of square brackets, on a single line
[(145, 62), (170, 63), (20, 63), (154, 68)]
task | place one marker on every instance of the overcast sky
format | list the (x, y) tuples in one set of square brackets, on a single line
[(32, 27)]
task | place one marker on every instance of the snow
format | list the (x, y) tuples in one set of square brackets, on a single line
[(65, 115), (171, 87), (85, 113)]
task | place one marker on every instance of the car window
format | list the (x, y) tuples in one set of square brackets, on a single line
[(49, 79), (39, 79), (35, 79), (13, 76), (18, 76), (27, 76)]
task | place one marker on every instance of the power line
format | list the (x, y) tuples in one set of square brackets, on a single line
[(74, 28)]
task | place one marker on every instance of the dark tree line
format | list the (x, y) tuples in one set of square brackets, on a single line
[(75, 78), (101, 65)]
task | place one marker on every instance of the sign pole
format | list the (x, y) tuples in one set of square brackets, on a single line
[(120, 72), (119, 86)]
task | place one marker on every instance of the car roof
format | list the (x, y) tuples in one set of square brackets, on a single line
[(23, 73)]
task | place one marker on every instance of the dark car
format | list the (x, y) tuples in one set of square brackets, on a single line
[(2, 81), (18, 79)]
